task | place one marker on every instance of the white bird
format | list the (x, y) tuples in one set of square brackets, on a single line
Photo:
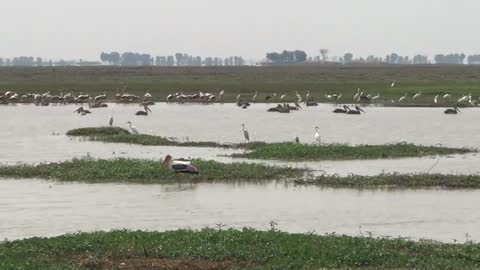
[(220, 95), (417, 95), (403, 98), (110, 121), (393, 84), (317, 136), (245, 134), (298, 96), (147, 96), (447, 96), (133, 129), (238, 98), (307, 96), (376, 97), (462, 99), (435, 99), (357, 95), (255, 96), (283, 96)]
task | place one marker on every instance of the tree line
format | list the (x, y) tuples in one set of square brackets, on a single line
[(179, 59)]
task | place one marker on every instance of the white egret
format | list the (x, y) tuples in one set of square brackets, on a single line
[(237, 99), (298, 96), (376, 97), (447, 96), (462, 99), (357, 95), (393, 84), (417, 95), (133, 129), (220, 95), (403, 98), (110, 121), (282, 97), (254, 96), (307, 96), (435, 99), (245, 134), (317, 136)]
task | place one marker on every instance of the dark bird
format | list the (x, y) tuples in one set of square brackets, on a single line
[(345, 109), (455, 110), (357, 110), (179, 166), (145, 112)]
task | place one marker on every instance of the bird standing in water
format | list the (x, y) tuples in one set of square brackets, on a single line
[(110, 121), (245, 134)]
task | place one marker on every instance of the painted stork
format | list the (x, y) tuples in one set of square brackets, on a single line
[(179, 166)]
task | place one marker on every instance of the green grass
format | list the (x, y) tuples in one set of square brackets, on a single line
[(97, 131), (292, 151), (318, 79), (242, 249), (396, 181), (146, 171)]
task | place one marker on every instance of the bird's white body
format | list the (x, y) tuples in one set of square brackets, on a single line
[(282, 97), (133, 129), (255, 96), (417, 95), (299, 97), (357, 95), (435, 99), (462, 99), (447, 96), (245, 134), (403, 98), (317, 136), (393, 84), (376, 97)]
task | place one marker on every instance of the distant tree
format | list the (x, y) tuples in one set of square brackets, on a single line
[(393, 58), (348, 58), (287, 57), (420, 59), (170, 61), (324, 53), (39, 62), (1, 62), (300, 56), (474, 59)]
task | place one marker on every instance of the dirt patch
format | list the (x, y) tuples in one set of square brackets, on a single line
[(160, 264)]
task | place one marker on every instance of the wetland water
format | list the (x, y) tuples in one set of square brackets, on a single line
[(40, 208)]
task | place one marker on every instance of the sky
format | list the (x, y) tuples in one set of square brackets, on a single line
[(72, 29)]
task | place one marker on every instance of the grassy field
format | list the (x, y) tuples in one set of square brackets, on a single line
[(147, 171), (232, 249), (396, 181), (293, 151), (318, 79)]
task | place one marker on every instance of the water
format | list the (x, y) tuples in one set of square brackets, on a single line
[(38, 208), (35, 134)]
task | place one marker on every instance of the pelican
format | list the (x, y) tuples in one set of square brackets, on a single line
[(357, 95), (455, 110), (133, 129), (82, 111), (254, 96), (178, 166), (417, 95), (145, 107), (403, 98), (282, 97), (393, 84), (317, 136), (435, 99), (298, 96), (345, 109), (245, 134), (357, 110), (110, 121)]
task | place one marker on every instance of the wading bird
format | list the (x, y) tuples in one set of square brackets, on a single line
[(299, 98), (403, 98), (417, 95), (376, 97), (435, 99), (245, 134), (110, 121), (282, 97), (357, 110), (145, 112), (82, 111), (462, 99), (357, 95), (447, 96), (220, 95), (317, 136), (393, 84), (133, 129), (455, 110), (254, 96), (179, 166)]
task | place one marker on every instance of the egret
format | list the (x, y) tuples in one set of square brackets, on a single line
[(133, 129), (317, 136), (435, 99), (178, 166), (282, 97), (393, 84), (245, 134), (254, 96), (220, 95), (417, 95), (298, 96), (462, 99), (357, 110), (447, 96), (357, 95), (403, 98), (237, 99), (376, 97), (307, 96), (110, 121), (145, 107), (455, 110)]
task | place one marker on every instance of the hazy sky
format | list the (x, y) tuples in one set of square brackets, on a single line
[(82, 29)]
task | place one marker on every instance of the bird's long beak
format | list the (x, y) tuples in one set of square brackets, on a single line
[(360, 109)]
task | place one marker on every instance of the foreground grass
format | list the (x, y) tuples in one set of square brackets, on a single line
[(396, 180), (292, 151), (231, 249), (146, 171)]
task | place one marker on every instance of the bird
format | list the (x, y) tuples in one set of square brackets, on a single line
[(282, 97), (245, 134), (133, 129), (82, 111), (299, 97), (403, 98), (376, 97), (110, 121), (417, 95), (435, 99), (220, 95), (179, 166), (345, 109), (147, 96), (145, 107), (254, 96), (357, 95), (317, 136), (464, 98), (393, 84), (447, 96), (297, 139), (455, 110), (237, 99), (357, 110), (307, 96)]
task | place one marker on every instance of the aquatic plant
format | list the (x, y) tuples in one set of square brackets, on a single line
[(146, 171), (232, 249), (97, 131)]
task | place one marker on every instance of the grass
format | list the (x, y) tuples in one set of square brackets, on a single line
[(232, 249), (97, 131), (395, 180), (292, 151), (146, 171), (318, 79)]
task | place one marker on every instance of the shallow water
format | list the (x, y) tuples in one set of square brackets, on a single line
[(35, 134), (39, 208)]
